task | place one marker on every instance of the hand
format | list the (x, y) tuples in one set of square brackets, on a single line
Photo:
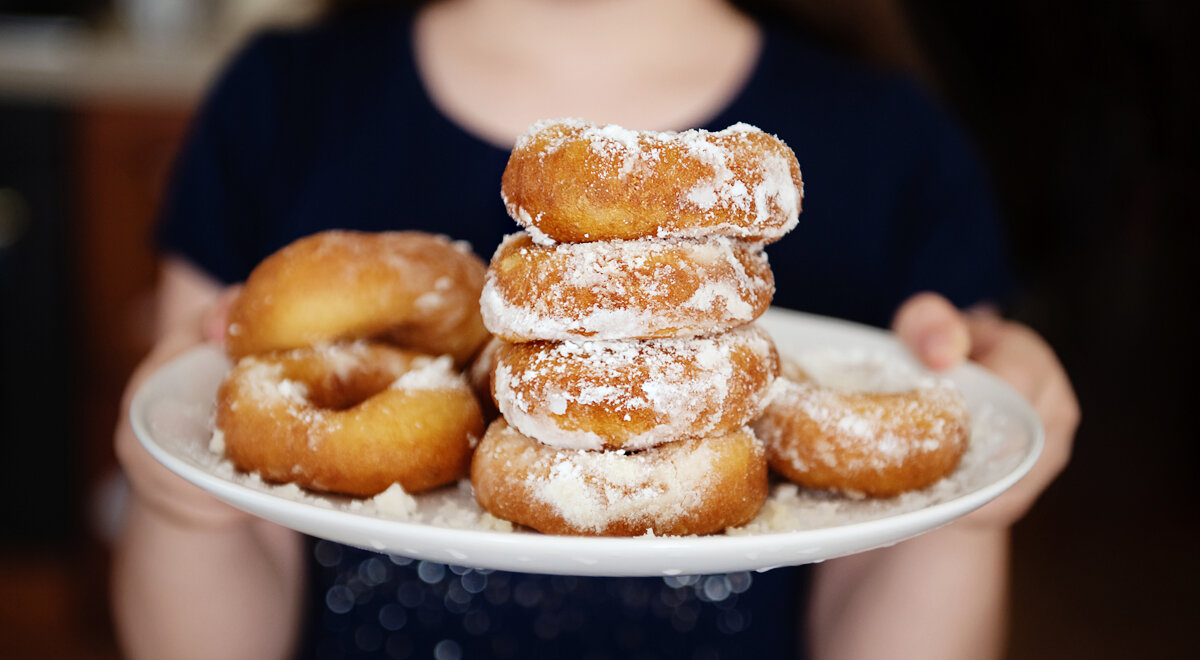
[(942, 336), (241, 575), (154, 485)]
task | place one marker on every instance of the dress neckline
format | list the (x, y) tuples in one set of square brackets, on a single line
[(725, 115)]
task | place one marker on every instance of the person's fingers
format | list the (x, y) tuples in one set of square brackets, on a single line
[(1025, 361), (1050, 392), (933, 329), (985, 328), (1021, 358), (215, 321), (153, 484), (165, 492), (1060, 417)]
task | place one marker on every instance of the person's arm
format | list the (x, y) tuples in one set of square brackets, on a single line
[(193, 577), (944, 595)]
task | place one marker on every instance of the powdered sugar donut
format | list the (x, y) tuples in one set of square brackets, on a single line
[(635, 394), (349, 418), (863, 424), (413, 289), (624, 289), (685, 487), (571, 181)]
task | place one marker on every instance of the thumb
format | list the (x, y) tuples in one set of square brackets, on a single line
[(933, 329)]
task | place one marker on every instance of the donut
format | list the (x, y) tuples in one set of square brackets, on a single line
[(349, 418), (479, 375), (680, 488), (413, 289), (641, 289), (634, 394), (572, 181), (862, 426)]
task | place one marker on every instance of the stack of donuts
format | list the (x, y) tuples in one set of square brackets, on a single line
[(627, 365), (347, 347)]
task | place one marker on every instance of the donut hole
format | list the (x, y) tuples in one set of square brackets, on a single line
[(860, 372), (338, 391), (336, 394)]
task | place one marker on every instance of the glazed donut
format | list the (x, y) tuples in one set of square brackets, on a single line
[(413, 289), (623, 289), (685, 487), (572, 181), (863, 426), (635, 394), (349, 418)]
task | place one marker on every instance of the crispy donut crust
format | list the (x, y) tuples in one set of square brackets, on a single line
[(349, 418), (686, 487), (635, 394), (873, 443), (413, 289), (625, 289), (572, 181)]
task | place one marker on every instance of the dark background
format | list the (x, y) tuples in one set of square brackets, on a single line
[(1085, 113)]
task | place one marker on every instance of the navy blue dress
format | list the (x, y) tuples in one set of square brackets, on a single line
[(330, 126)]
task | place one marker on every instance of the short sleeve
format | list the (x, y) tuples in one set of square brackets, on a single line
[(213, 208)]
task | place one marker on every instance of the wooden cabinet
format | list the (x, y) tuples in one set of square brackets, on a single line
[(123, 155)]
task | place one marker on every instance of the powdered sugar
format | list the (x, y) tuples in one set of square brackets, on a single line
[(630, 489), (861, 370), (738, 182), (722, 186), (592, 490), (791, 508), (264, 380), (675, 388), (266, 384), (431, 374), (863, 411), (623, 289), (392, 503)]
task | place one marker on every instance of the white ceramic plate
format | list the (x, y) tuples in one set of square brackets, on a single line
[(172, 417)]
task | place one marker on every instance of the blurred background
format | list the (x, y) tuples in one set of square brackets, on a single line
[(1085, 113)]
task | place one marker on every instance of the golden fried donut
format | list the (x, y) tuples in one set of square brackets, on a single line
[(685, 487), (874, 433), (349, 418), (635, 394), (624, 289), (413, 289), (572, 181)]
